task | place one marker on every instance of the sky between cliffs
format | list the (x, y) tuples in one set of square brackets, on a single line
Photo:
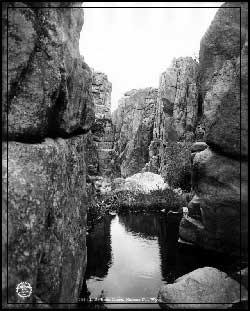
[(133, 46)]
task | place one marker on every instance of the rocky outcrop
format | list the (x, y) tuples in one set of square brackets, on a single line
[(220, 171), (133, 121), (101, 140), (101, 90), (46, 218), (49, 108), (225, 113), (49, 85), (177, 107), (176, 118), (204, 288), (216, 184)]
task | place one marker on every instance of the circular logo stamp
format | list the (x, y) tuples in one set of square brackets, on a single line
[(24, 289)]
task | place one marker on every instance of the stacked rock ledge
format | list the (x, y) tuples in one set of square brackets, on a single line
[(219, 171), (48, 110)]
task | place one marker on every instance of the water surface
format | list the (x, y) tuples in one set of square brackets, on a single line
[(131, 256)]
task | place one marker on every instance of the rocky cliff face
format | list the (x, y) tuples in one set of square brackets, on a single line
[(47, 108), (133, 121), (101, 90), (220, 171), (102, 131), (177, 106), (48, 81), (176, 118), (220, 51)]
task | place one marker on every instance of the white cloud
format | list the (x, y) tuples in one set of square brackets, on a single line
[(133, 46)]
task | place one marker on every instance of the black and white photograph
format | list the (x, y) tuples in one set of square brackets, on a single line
[(124, 155)]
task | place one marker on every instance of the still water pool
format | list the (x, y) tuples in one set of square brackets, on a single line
[(131, 256)]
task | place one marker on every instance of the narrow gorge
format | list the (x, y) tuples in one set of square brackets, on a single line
[(148, 200)]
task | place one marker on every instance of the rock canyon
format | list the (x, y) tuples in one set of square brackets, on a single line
[(62, 145)]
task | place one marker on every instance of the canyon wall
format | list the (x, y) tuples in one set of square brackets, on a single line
[(176, 118), (194, 133), (219, 208), (57, 121), (133, 121), (101, 156), (102, 99), (47, 111)]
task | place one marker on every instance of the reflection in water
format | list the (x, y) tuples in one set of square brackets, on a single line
[(130, 256), (145, 226), (135, 271), (99, 250), (168, 237)]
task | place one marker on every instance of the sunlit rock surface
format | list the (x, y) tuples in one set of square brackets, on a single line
[(204, 288), (145, 182)]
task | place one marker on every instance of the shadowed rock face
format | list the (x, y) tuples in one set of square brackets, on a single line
[(219, 177), (49, 95), (133, 121), (216, 184)]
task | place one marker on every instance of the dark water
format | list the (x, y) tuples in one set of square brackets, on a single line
[(131, 256)]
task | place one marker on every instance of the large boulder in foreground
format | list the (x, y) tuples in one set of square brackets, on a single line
[(46, 218), (223, 200), (49, 84), (204, 288)]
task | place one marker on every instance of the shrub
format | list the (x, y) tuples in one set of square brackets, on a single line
[(176, 165), (153, 201)]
